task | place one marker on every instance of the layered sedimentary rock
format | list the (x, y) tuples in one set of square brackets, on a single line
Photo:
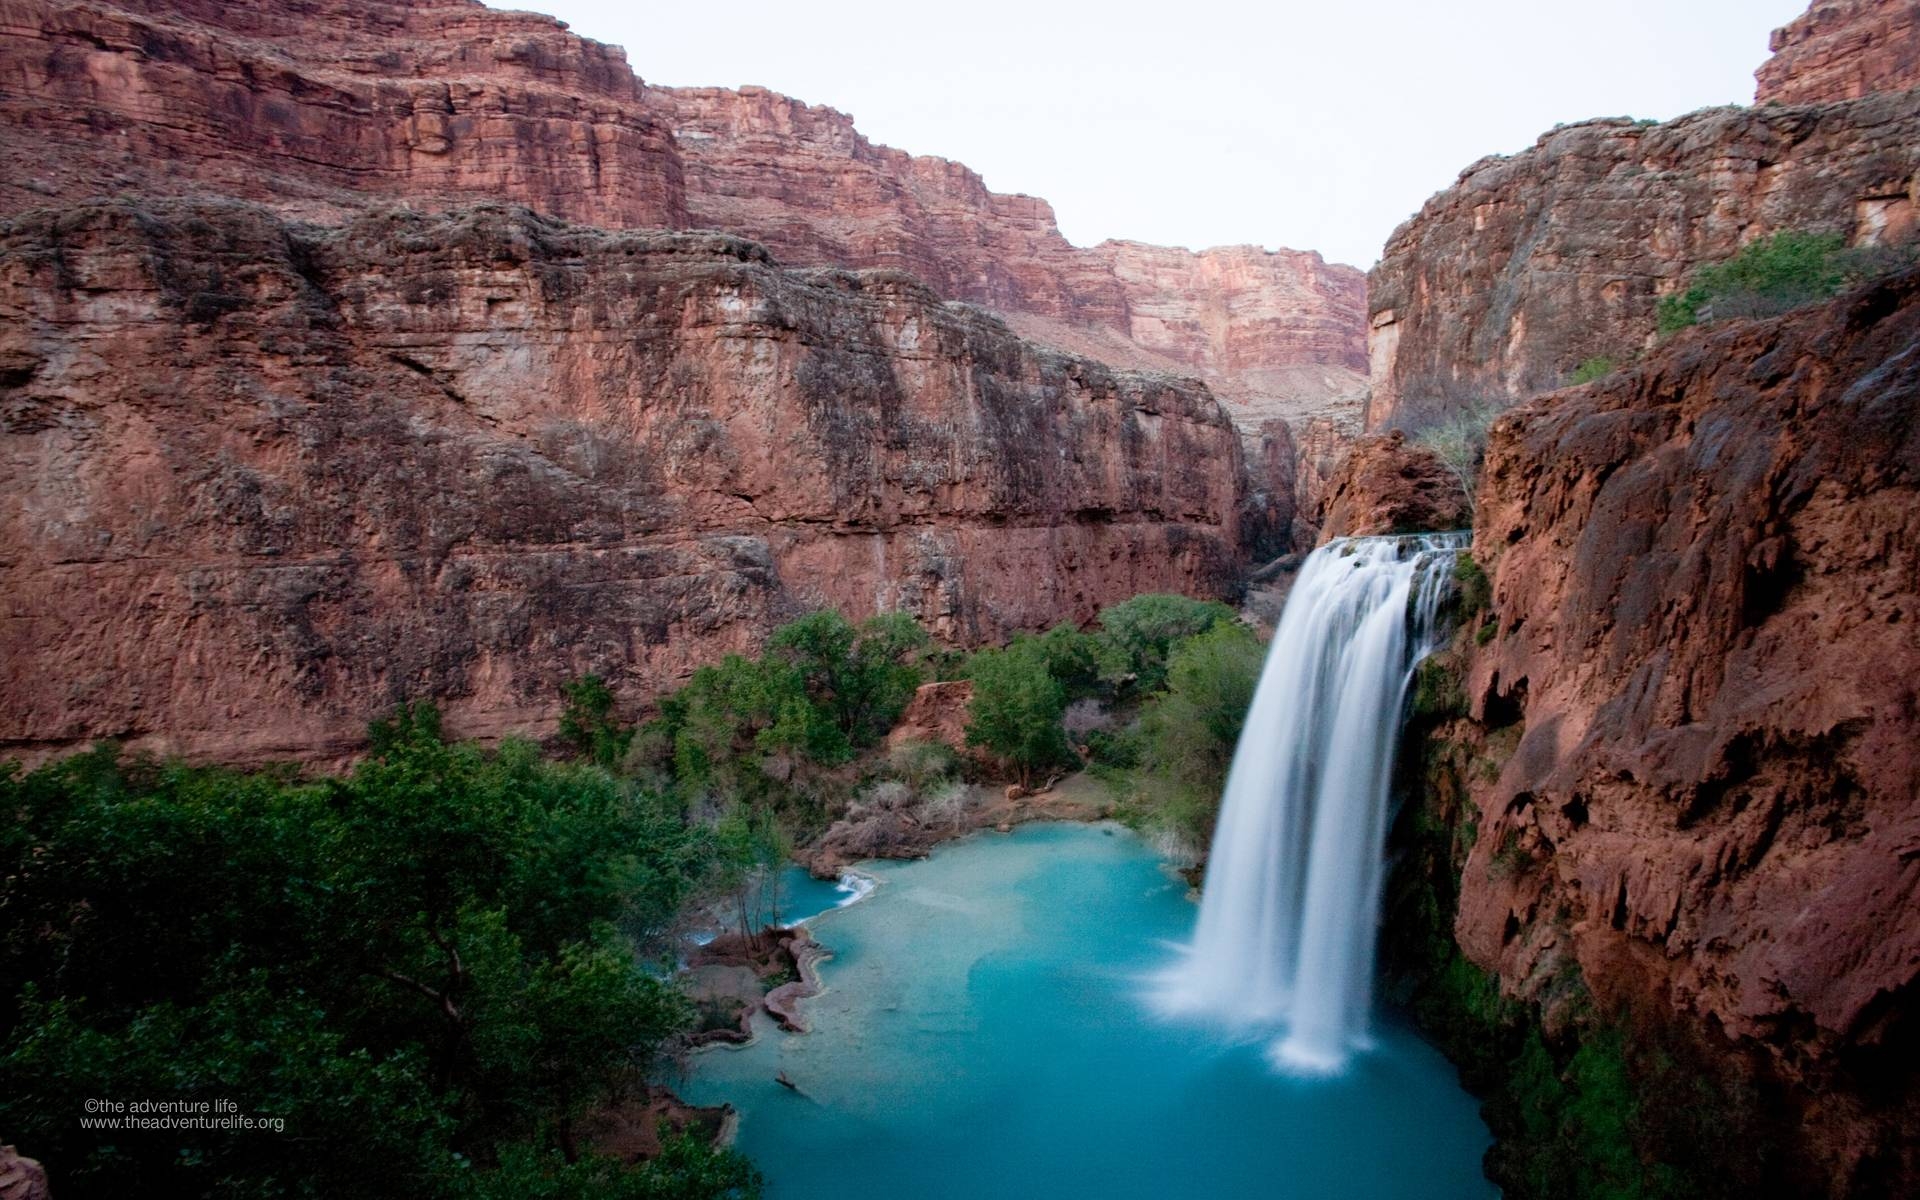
[(318, 106), (264, 478), (314, 105), (1532, 264), (1706, 578), (1843, 50)]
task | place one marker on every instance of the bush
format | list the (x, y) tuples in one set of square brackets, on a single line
[(1140, 634), (1016, 709), (1188, 733), (1774, 275), (1598, 367), (587, 723), (1460, 443), (824, 689)]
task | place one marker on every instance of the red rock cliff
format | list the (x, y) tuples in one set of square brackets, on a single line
[(312, 105), (1529, 265), (1706, 575), (264, 478), (1843, 50)]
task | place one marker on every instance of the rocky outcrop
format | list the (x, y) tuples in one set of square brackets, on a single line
[(1701, 661), (1532, 264), (1843, 50), (264, 478), (21, 1178), (315, 105), (937, 713), (1387, 485)]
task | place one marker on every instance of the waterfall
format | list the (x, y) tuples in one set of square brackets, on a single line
[(1291, 905)]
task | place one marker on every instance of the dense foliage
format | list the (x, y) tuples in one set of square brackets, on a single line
[(1774, 275), (1016, 708), (823, 689), (433, 972), (1186, 735), (430, 970), (1139, 635)]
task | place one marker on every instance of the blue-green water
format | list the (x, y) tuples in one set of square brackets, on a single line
[(984, 1032)]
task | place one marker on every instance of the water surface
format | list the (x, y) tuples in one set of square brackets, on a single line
[(985, 1032)]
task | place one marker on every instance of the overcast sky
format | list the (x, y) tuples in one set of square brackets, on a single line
[(1201, 122)]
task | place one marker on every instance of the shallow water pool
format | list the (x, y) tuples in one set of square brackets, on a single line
[(985, 1031)]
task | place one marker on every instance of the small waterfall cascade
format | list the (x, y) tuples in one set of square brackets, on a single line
[(1290, 910)]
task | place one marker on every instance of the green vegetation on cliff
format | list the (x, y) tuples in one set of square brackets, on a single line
[(1774, 275)]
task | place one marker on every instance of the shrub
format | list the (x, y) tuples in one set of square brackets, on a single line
[(1140, 634), (1598, 367), (1016, 709), (921, 765), (1187, 734), (1460, 443), (587, 723), (824, 689), (1773, 275)]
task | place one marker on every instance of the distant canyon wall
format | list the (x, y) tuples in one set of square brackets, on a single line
[(264, 478), (315, 105)]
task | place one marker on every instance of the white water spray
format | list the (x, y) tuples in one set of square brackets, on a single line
[(1291, 907)]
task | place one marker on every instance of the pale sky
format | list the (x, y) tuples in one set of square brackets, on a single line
[(1204, 122)]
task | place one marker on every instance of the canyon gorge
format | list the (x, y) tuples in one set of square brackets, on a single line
[(325, 118), (354, 353)]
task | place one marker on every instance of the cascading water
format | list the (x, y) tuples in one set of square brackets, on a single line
[(1291, 906)]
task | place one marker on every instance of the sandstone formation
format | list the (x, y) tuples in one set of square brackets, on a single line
[(265, 478), (1386, 485), (1843, 50), (937, 713), (1532, 264), (1706, 577), (314, 105)]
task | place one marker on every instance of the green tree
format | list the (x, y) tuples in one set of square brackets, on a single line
[(1188, 733), (421, 968), (1139, 634), (587, 722), (1016, 709), (861, 676)]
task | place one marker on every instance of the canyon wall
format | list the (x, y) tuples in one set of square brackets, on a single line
[(1531, 264), (1701, 684), (265, 478), (1843, 50), (315, 105)]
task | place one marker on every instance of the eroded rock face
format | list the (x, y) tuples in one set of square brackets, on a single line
[(265, 478), (1843, 50), (1532, 264), (315, 105), (1706, 576), (1386, 484)]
